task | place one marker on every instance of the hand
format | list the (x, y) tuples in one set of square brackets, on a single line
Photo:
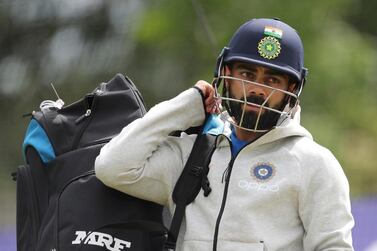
[(211, 102)]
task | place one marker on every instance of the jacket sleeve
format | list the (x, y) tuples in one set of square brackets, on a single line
[(324, 204), (143, 160)]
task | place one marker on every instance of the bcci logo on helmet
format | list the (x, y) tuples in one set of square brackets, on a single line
[(269, 47)]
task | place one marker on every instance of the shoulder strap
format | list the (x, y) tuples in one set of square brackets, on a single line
[(192, 179)]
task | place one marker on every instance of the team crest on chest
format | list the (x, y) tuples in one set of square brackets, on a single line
[(263, 171)]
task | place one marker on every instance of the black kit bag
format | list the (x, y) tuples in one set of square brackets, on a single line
[(61, 205)]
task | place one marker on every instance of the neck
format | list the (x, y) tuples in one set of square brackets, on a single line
[(245, 135)]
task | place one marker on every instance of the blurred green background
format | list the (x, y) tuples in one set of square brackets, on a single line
[(165, 46)]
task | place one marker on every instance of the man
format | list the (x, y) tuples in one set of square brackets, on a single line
[(273, 187)]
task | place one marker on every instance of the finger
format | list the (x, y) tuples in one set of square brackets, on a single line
[(213, 108), (209, 102), (210, 96)]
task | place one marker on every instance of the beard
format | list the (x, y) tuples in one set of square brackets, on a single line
[(267, 120)]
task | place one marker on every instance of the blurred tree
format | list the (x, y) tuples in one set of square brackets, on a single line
[(363, 16)]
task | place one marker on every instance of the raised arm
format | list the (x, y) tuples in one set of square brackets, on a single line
[(143, 160)]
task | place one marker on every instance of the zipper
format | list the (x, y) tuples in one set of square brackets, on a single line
[(84, 116), (56, 236), (228, 171), (226, 177), (87, 117)]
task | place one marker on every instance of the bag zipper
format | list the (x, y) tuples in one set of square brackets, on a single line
[(87, 117), (84, 116)]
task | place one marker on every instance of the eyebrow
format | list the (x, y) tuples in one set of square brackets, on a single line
[(254, 68), (247, 67)]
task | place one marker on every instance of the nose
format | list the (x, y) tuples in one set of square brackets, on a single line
[(256, 89)]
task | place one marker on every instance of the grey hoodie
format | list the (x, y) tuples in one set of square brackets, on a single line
[(281, 192)]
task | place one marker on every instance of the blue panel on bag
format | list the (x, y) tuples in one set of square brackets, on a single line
[(37, 138)]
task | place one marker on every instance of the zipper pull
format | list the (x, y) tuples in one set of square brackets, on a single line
[(84, 116), (226, 172)]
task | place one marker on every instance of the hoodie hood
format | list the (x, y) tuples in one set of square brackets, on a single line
[(287, 127)]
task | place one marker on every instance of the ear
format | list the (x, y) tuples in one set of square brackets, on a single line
[(292, 87), (227, 70)]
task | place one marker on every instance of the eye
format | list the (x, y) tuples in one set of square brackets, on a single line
[(272, 80), (248, 75)]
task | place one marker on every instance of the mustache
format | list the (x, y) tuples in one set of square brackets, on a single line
[(256, 100)]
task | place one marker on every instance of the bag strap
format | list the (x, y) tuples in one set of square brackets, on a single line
[(192, 179)]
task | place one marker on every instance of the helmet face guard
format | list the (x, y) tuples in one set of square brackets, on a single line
[(272, 44), (264, 117)]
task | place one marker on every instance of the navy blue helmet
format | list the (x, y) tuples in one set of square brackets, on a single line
[(269, 43), (250, 42)]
